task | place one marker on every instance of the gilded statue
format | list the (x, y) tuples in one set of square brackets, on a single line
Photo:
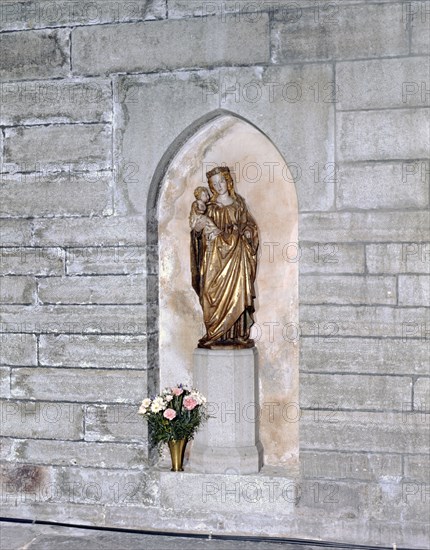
[(224, 243)]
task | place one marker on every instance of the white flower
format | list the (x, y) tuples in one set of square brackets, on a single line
[(156, 407), (146, 402), (142, 410), (168, 398)]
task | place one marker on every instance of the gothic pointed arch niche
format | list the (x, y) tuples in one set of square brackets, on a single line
[(262, 177)]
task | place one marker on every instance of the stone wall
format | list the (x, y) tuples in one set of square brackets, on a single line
[(342, 90)]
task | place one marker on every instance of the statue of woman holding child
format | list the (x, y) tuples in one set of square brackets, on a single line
[(224, 243)]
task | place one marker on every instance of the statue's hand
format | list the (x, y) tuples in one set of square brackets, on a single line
[(248, 234)]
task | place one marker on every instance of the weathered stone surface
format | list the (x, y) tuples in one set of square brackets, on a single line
[(160, 45), (61, 101), (382, 83), (32, 261), (408, 257), (75, 146), (119, 260), (66, 453), (364, 355), (84, 195), (113, 231), (78, 320), (27, 419), (362, 466), (383, 135), (366, 321), (127, 352), (324, 257), (364, 431), (18, 350), (250, 494), (422, 395), (43, 54), (46, 510), (116, 289), (419, 19), (15, 233), (4, 382), (30, 14), (414, 290), (79, 385), (347, 32), (333, 227), (332, 391), (380, 185), (340, 289), (115, 423), (17, 290), (104, 486), (417, 467)]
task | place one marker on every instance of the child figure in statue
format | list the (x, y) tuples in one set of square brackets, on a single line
[(198, 219)]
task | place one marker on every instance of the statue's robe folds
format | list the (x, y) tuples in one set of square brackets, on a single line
[(223, 272)]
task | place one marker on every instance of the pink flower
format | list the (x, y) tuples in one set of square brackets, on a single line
[(177, 391), (170, 414), (190, 403)]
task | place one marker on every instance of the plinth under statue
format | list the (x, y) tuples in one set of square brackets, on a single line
[(224, 244)]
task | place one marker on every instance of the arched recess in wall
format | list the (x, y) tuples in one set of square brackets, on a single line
[(263, 179)]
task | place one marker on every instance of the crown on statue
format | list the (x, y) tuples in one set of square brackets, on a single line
[(218, 170)]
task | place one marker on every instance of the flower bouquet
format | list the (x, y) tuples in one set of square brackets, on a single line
[(174, 417)]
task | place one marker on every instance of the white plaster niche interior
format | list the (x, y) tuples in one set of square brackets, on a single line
[(262, 178)]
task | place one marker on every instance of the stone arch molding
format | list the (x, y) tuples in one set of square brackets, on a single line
[(263, 179)]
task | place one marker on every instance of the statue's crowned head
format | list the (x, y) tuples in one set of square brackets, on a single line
[(224, 171)]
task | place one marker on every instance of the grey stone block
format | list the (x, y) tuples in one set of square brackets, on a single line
[(27, 419), (76, 453), (344, 391), (408, 257), (301, 97), (4, 382), (383, 135), (119, 260), (76, 320), (333, 227), (15, 233), (380, 185), (365, 321), (109, 289), (417, 468), (160, 45), (321, 257), (32, 261), (56, 147), (46, 510), (341, 289), (422, 395), (80, 385), (38, 54), (63, 195), (18, 350), (382, 83), (61, 101), (363, 355), (250, 494), (347, 32), (17, 290), (105, 486), (359, 466), (417, 16), (115, 423), (127, 352), (113, 231), (31, 14), (385, 432), (414, 290)]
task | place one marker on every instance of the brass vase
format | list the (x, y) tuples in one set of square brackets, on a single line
[(177, 450)]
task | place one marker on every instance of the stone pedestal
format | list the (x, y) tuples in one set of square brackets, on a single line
[(229, 442)]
